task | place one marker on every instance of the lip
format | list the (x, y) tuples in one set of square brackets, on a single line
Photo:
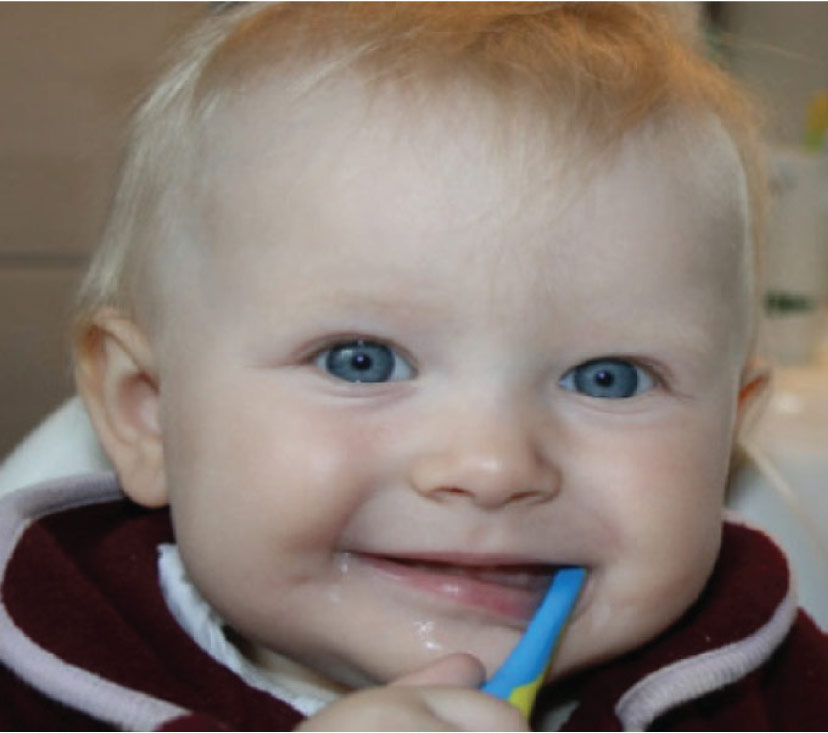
[(503, 587)]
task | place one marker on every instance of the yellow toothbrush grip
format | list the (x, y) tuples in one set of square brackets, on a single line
[(523, 697)]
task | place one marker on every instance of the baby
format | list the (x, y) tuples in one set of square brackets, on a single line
[(399, 310)]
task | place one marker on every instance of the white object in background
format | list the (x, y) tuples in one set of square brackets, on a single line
[(62, 445), (760, 494), (788, 495)]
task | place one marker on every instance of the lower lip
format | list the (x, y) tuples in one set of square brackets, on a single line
[(504, 601)]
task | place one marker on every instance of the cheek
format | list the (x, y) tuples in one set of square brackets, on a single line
[(670, 474), (660, 493), (256, 460), (262, 491), (664, 495)]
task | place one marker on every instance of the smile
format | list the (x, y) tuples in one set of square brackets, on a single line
[(511, 591)]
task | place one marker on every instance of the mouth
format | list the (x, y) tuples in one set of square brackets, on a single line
[(501, 588)]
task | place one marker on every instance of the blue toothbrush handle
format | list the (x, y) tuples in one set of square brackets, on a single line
[(521, 675)]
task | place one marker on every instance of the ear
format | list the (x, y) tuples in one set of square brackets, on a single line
[(753, 393), (117, 379)]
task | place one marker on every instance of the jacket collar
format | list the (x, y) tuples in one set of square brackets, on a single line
[(743, 615)]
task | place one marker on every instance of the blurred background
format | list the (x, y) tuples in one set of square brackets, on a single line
[(70, 74)]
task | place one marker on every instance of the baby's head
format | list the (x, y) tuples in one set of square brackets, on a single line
[(402, 307)]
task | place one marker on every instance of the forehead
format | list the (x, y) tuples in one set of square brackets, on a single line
[(344, 170), (337, 125), (343, 126)]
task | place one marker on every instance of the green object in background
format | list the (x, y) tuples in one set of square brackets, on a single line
[(780, 303)]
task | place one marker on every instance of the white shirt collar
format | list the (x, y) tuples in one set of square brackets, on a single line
[(206, 628)]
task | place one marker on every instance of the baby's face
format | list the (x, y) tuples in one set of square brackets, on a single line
[(418, 377)]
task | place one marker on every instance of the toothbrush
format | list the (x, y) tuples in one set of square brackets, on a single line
[(521, 675)]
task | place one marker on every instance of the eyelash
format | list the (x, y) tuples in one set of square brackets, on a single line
[(640, 378), (371, 360)]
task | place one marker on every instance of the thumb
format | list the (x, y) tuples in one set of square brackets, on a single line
[(460, 670)]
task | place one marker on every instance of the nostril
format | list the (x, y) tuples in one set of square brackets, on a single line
[(524, 495), (448, 491)]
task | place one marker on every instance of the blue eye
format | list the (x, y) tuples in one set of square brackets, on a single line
[(608, 379), (364, 361)]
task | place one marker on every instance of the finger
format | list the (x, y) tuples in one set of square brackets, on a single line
[(460, 670), (462, 709), (379, 709)]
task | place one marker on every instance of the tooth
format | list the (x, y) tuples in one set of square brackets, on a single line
[(517, 577)]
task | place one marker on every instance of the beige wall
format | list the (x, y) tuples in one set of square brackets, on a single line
[(69, 75), (781, 50)]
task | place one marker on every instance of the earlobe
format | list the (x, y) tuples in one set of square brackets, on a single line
[(753, 393), (117, 379)]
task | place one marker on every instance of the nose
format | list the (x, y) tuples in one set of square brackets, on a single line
[(488, 457)]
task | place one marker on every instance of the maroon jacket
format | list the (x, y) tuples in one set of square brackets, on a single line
[(87, 642)]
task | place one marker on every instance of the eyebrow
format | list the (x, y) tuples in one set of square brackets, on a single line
[(398, 304)]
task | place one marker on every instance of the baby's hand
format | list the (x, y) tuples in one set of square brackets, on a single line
[(442, 696)]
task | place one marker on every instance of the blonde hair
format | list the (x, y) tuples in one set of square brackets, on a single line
[(603, 68)]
